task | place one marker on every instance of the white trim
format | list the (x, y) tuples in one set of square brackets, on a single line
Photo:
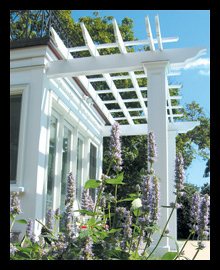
[(23, 90)]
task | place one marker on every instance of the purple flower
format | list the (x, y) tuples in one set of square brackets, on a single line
[(15, 204), (201, 245), (84, 200), (194, 214), (86, 248), (176, 205), (29, 231), (167, 231), (151, 148), (115, 147), (179, 175), (155, 197), (67, 220), (12, 248), (204, 216), (145, 201), (70, 189), (49, 219), (124, 221)]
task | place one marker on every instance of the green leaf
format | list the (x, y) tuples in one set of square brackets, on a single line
[(22, 221), (87, 212), (92, 183), (11, 217), (84, 234), (137, 212), (177, 245), (169, 256), (117, 180), (114, 230), (155, 228), (127, 199), (53, 237), (91, 221)]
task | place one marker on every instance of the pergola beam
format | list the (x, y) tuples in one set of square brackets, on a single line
[(142, 129), (121, 62)]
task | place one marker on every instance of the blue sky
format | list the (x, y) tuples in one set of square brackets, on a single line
[(193, 29)]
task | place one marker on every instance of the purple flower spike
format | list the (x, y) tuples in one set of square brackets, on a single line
[(195, 211), (204, 216), (115, 147), (179, 175), (151, 148), (15, 204)]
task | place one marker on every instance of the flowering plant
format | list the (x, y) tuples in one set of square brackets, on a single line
[(104, 230)]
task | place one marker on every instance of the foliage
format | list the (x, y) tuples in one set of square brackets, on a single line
[(199, 137), (183, 214), (104, 230)]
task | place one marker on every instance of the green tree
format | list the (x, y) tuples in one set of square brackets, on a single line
[(197, 141), (183, 213)]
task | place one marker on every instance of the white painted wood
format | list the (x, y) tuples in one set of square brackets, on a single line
[(159, 39), (121, 62), (127, 43), (142, 129), (149, 33), (157, 122)]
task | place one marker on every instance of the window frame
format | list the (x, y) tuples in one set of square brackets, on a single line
[(23, 90)]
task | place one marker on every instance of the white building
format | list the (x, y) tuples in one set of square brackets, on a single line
[(57, 118)]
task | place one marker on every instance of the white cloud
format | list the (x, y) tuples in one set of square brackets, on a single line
[(199, 63), (203, 72), (203, 64)]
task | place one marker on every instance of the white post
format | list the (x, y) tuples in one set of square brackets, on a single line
[(158, 123), (171, 174)]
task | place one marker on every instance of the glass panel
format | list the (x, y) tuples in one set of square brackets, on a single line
[(51, 163), (92, 169), (79, 170), (65, 165), (15, 111)]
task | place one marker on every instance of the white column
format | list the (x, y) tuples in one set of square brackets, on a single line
[(171, 174), (158, 123)]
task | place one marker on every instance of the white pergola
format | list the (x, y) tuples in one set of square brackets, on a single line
[(157, 65)]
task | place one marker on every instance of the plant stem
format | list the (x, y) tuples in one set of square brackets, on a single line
[(109, 213), (183, 246), (139, 240), (12, 224), (100, 192), (146, 245), (163, 229), (196, 254), (115, 204), (197, 251), (133, 231)]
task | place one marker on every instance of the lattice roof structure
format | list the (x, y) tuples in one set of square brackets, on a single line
[(87, 69)]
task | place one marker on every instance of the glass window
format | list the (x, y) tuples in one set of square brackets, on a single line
[(65, 165), (92, 169), (51, 163), (15, 112), (79, 170)]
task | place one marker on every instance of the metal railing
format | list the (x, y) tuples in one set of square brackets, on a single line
[(29, 24)]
